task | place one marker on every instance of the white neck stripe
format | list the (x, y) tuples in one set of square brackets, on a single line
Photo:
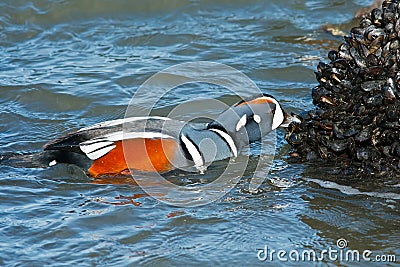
[(194, 153), (228, 140)]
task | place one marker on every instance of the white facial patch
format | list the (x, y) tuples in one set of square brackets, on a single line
[(278, 117), (241, 123), (257, 118)]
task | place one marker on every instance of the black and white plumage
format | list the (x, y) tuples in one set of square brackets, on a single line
[(162, 144)]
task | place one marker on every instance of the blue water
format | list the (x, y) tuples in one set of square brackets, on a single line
[(68, 64)]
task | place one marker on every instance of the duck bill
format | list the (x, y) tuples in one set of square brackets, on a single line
[(288, 120)]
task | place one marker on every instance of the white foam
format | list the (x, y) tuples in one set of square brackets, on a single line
[(348, 190)]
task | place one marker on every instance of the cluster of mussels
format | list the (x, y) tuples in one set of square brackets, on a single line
[(357, 118)]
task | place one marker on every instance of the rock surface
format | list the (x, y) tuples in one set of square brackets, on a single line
[(357, 118)]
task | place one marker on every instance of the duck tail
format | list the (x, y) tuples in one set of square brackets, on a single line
[(41, 159)]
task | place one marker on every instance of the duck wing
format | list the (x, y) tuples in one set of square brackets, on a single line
[(97, 140)]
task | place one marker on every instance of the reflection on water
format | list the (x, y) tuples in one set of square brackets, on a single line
[(69, 64)]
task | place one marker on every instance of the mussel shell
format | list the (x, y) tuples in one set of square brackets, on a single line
[(362, 154), (295, 138), (388, 92), (365, 22), (372, 60), (364, 135), (352, 130), (392, 114), (376, 16), (369, 86), (374, 101), (333, 55), (338, 145)]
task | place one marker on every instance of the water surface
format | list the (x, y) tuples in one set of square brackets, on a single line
[(68, 64)]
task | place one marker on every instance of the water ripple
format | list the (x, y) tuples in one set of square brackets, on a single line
[(68, 64)]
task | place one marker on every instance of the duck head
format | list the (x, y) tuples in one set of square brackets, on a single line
[(250, 119)]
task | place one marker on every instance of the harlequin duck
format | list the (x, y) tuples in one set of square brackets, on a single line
[(160, 144)]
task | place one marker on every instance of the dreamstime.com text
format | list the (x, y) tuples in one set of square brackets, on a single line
[(341, 254)]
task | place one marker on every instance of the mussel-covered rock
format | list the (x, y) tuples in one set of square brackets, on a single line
[(357, 118)]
